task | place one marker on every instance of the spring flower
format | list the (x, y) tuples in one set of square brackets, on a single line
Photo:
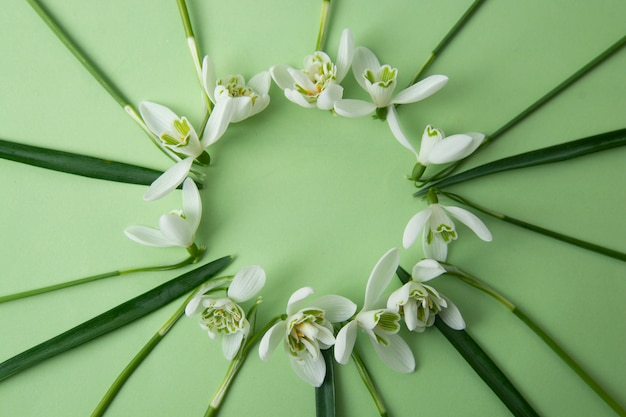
[(420, 303), (317, 84), (438, 229), (378, 322), (179, 137), (177, 228), (380, 82), (248, 99), (223, 315), (306, 330)]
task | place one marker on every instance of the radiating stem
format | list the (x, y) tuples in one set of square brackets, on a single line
[(473, 281), (528, 226), (29, 293), (319, 45), (369, 383), (95, 71)]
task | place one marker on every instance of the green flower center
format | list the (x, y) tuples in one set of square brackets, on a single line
[(181, 132), (225, 318)]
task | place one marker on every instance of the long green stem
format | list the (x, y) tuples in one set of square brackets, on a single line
[(369, 383), (42, 290), (138, 359), (473, 281), (528, 226), (319, 45), (448, 38)]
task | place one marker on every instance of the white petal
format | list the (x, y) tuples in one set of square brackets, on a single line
[(169, 180), (176, 229), (398, 298), (218, 121), (430, 138), (344, 54), (148, 236), (451, 315), (380, 277), (426, 270), (192, 204), (271, 339), (336, 308), (450, 149), (242, 109), (302, 80), (396, 129), (410, 314), (157, 117), (415, 226), (260, 104), (281, 77), (310, 369), (295, 301), (208, 77), (344, 342), (437, 249), (354, 108), (396, 354), (246, 284), (260, 83), (471, 221), (381, 96), (296, 97), (421, 90), (231, 344), (195, 304), (363, 60), (327, 98), (325, 336)]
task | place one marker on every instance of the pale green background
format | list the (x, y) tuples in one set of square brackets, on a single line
[(314, 199)]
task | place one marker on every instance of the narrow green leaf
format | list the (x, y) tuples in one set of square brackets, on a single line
[(556, 153), (482, 364), (113, 319), (325, 394)]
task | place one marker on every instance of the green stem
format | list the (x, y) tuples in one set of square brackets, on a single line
[(448, 38), (325, 393), (369, 383), (50, 288), (138, 359), (552, 344), (528, 226), (319, 45)]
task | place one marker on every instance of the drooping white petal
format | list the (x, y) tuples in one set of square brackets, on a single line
[(415, 226), (471, 221), (295, 301), (354, 108), (271, 339), (242, 108), (430, 138), (218, 121), (450, 149), (410, 314), (344, 342), (345, 54), (396, 354), (396, 129), (420, 90), (208, 77), (327, 98), (176, 229), (311, 369), (157, 117), (281, 77), (380, 277), (260, 83), (363, 60), (427, 269), (192, 204), (451, 315), (336, 308), (296, 97), (437, 249), (148, 236), (231, 343), (169, 180), (246, 284)]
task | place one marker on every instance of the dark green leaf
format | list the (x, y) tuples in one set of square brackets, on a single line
[(113, 319), (556, 153), (325, 394)]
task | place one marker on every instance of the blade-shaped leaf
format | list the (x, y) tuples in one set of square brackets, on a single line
[(113, 319), (325, 394)]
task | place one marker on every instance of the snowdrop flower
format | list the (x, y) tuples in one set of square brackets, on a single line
[(179, 137), (380, 82), (438, 229), (223, 315), (177, 228), (306, 330), (380, 324), (420, 303), (248, 99), (317, 84)]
